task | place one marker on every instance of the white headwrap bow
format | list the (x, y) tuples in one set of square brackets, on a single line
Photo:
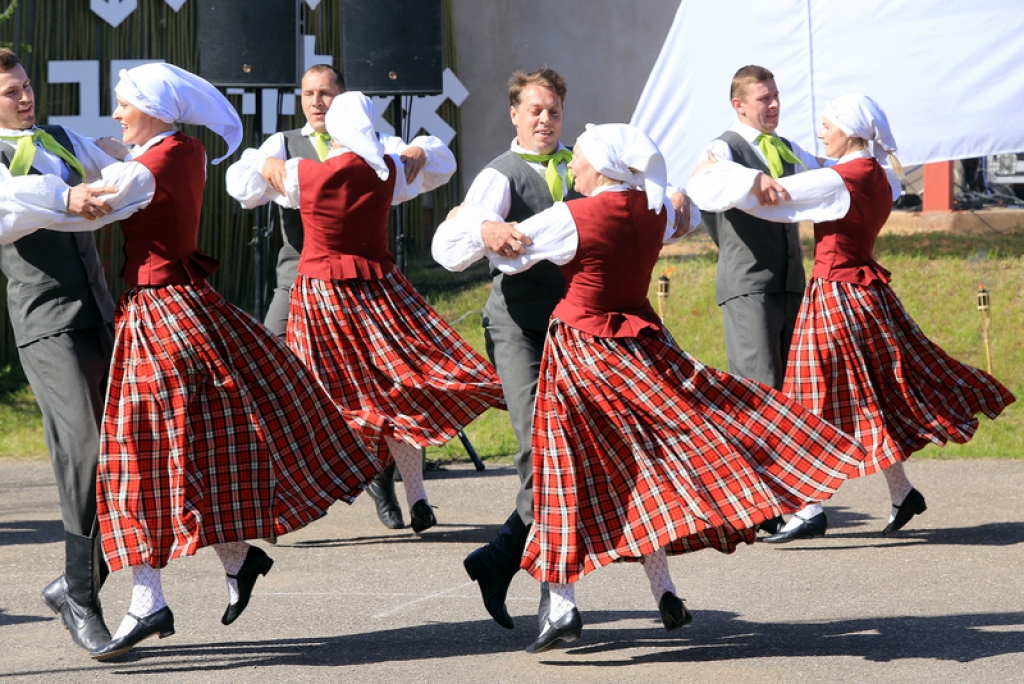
[(350, 122), (626, 154), (859, 116), (173, 95)]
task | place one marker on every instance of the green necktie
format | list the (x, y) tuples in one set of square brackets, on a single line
[(775, 152), (321, 143), (25, 153), (551, 176)]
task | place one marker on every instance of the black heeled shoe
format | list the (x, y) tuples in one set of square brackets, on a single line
[(256, 563), (160, 623), (912, 505), (566, 629), (382, 491), (422, 516), (493, 566), (807, 529), (673, 611)]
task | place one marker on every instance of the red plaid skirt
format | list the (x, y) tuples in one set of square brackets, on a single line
[(638, 446), (378, 348), (213, 432), (860, 362)]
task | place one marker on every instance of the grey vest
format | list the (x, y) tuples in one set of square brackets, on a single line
[(530, 296), (55, 281), (297, 145), (754, 255)]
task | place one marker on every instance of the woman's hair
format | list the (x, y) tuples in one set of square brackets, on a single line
[(8, 60), (544, 77), (751, 73)]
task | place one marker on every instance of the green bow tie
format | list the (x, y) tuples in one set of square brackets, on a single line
[(321, 143), (551, 175), (25, 153), (775, 152)]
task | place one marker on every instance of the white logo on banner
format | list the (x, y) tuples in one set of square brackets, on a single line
[(113, 11)]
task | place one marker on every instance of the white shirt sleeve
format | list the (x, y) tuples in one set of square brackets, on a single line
[(440, 166), (554, 237), (31, 203), (816, 195), (457, 243)]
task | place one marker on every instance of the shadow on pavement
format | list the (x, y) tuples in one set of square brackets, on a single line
[(6, 619), (31, 532), (713, 636)]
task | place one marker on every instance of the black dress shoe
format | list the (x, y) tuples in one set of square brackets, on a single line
[(80, 610), (493, 566), (382, 491), (673, 612), (422, 516), (911, 506), (160, 623), (772, 526), (566, 629), (256, 563), (807, 529), (53, 594)]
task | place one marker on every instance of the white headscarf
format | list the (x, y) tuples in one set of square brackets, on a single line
[(859, 116), (349, 120), (626, 154), (173, 95)]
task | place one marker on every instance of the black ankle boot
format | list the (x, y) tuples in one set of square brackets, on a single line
[(382, 491), (493, 566), (83, 574)]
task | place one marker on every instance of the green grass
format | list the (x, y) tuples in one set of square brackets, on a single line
[(935, 275)]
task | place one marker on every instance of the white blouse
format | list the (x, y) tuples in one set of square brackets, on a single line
[(458, 242), (31, 203), (246, 184), (817, 195)]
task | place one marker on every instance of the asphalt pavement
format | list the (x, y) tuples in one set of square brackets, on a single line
[(349, 600)]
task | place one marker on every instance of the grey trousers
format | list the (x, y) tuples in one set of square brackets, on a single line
[(68, 373), (516, 353), (287, 270), (758, 332)]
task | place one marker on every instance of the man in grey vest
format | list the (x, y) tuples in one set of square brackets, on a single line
[(425, 154), (62, 316), (516, 185), (760, 280)]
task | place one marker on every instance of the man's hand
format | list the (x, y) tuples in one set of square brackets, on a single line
[(768, 191), (84, 201), (273, 173), (114, 147), (504, 239), (413, 158), (682, 205)]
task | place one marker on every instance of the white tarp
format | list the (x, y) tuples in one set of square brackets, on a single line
[(948, 73)]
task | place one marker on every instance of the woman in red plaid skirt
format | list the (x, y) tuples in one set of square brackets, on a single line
[(640, 450), (357, 323), (214, 432), (858, 359)]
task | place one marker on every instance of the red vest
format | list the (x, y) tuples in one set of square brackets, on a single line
[(608, 279), (843, 249), (160, 241), (345, 210)]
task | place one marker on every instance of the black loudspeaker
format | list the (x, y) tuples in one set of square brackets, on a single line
[(249, 42), (392, 47)]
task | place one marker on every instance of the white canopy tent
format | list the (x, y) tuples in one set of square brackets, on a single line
[(948, 73)]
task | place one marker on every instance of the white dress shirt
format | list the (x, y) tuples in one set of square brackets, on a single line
[(721, 150), (246, 184)]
